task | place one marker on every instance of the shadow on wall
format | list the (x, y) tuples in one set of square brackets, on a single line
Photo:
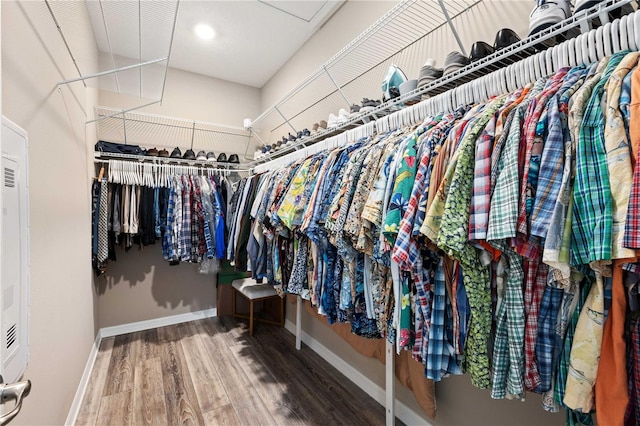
[(138, 272)]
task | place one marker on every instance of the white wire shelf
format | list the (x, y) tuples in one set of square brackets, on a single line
[(405, 24), (570, 27), (161, 131)]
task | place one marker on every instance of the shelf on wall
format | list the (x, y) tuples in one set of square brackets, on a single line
[(570, 27)]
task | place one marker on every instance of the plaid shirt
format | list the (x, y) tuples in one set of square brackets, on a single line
[(168, 252), (618, 156), (480, 198), (184, 242), (632, 222), (453, 239), (592, 208), (536, 280), (546, 340), (441, 359), (508, 366)]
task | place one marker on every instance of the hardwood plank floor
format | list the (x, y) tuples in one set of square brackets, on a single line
[(211, 372)]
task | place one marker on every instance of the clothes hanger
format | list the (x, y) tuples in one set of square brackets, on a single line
[(631, 32), (606, 39), (615, 35), (624, 37), (572, 52), (593, 53), (585, 48), (636, 29), (599, 43)]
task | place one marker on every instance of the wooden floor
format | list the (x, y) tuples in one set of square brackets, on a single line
[(211, 372)]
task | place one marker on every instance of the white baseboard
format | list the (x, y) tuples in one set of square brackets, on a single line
[(132, 327), (84, 382), (124, 329), (403, 412)]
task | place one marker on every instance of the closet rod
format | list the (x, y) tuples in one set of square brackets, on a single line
[(190, 164)]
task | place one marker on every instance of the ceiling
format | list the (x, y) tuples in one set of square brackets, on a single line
[(253, 38)]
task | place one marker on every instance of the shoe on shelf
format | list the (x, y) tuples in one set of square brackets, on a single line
[(548, 13), (222, 157), (211, 156), (315, 128), (505, 38), (291, 138), (163, 153), (429, 73), (454, 62), (354, 109), (202, 156), (343, 116), (189, 155), (585, 4), (407, 87), (233, 158), (480, 50), (322, 125), (176, 153), (306, 133), (332, 122), (153, 152)]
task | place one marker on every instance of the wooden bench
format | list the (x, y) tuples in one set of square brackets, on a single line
[(254, 292)]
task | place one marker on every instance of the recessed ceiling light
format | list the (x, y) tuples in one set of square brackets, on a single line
[(204, 31)]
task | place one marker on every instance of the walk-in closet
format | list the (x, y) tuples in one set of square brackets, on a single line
[(320, 212)]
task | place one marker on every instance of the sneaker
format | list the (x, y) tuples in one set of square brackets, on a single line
[(354, 109), (315, 128), (189, 155), (322, 125), (306, 133), (332, 122), (407, 87), (343, 116), (212, 157), (222, 157), (585, 4), (202, 156), (233, 158), (176, 153), (548, 13), (291, 138), (454, 62)]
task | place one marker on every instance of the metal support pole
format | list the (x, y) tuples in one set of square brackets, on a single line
[(390, 381), (100, 74), (64, 40), (193, 133), (337, 86), (257, 136), (453, 28), (285, 119), (124, 126), (299, 323)]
